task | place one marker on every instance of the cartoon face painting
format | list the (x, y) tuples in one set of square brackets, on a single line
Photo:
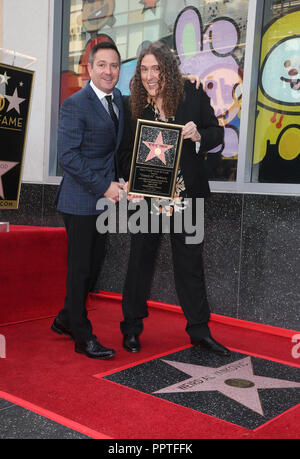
[(278, 102), (280, 79), (292, 66), (209, 53), (96, 13), (223, 89)]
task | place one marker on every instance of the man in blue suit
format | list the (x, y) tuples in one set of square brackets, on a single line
[(89, 134)]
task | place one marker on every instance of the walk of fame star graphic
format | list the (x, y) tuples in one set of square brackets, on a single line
[(236, 380), (4, 78), (14, 101), (157, 149), (5, 166)]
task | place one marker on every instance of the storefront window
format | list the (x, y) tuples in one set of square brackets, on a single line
[(276, 151), (208, 36)]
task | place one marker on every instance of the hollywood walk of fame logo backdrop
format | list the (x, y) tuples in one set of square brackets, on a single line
[(247, 391), (15, 96), (155, 160)]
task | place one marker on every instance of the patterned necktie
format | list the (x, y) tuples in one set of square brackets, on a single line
[(112, 112), (116, 123)]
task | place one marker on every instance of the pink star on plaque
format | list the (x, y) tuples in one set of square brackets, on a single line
[(157, 149), (14, 101), (5, 166)]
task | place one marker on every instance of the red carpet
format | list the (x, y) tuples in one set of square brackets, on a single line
[(42, 373), (41, 369), (32, 272)]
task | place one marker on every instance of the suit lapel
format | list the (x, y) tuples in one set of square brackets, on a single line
[(98, 106), (104, 114), (119, 103)]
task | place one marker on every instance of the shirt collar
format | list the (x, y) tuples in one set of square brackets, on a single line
[(100, 93)]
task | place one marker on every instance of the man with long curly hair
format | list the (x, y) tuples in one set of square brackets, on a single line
[(159, 92)]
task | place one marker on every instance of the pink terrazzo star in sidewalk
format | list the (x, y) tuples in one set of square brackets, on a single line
[(235, 380)]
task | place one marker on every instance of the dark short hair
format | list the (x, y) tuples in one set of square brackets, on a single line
[(103, 45)]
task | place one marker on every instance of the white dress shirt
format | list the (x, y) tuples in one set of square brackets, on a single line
[(101, 96)]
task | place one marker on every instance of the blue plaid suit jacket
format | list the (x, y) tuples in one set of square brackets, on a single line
[(87, 151)]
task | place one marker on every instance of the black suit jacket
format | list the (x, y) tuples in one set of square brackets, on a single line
[(195, 107)]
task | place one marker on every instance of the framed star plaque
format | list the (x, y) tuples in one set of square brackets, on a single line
[(15, 96), (155, 159)]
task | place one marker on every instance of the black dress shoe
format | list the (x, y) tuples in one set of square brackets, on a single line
[(59, 328), (212, 345), (93, 349), (131, 343)]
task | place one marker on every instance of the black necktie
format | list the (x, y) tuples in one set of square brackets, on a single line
[(112, 112)]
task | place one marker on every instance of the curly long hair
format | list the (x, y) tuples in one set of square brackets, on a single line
[(173, 89)]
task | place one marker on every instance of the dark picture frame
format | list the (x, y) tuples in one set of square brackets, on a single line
[(155, 159)]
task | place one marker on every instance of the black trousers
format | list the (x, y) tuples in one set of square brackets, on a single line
[(86, 249), (189, 283)]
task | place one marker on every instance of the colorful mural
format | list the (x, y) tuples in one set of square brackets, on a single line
[(277, 133), (208, 52), (212, 51), (149, 5), (97, 13)]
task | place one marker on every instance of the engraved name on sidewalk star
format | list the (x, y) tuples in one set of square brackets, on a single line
[(236, 380), (157, 149)]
